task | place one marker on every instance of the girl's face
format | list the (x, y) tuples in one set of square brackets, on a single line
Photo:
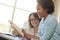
[(41, 12), (34, 21)]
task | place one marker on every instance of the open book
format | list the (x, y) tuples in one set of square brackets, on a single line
[(14, 26)]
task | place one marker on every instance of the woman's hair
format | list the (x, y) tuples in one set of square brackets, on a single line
[(29, 20), (47, 4)]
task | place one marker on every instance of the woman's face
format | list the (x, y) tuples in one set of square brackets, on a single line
[(41, 12), (34, 21)]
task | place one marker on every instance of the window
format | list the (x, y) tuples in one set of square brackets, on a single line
[(21, 12)]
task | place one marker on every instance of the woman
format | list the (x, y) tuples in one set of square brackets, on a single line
[(31, 30), (48, 24)]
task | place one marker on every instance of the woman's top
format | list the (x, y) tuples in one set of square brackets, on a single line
[(47, 27)]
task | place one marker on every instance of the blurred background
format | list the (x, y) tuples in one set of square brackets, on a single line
[(18, 11)]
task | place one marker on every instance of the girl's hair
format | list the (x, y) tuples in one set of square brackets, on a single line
[(29, 21)]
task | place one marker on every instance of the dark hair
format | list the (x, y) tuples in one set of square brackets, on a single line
[(47, 4), (35, 15)]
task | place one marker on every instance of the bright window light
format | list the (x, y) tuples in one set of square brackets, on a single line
[(5, 16), (27, 5), (22, 11), (20, 17), (7, 2)]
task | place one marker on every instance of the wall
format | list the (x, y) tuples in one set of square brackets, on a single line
[(57, 10)]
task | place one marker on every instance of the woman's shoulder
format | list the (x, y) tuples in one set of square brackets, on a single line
[(51, 18), (50, 21)]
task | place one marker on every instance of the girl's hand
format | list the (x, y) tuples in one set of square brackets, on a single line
[(14, 32), (23, 31)]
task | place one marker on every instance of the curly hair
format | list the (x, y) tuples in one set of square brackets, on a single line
[(47, 4)]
